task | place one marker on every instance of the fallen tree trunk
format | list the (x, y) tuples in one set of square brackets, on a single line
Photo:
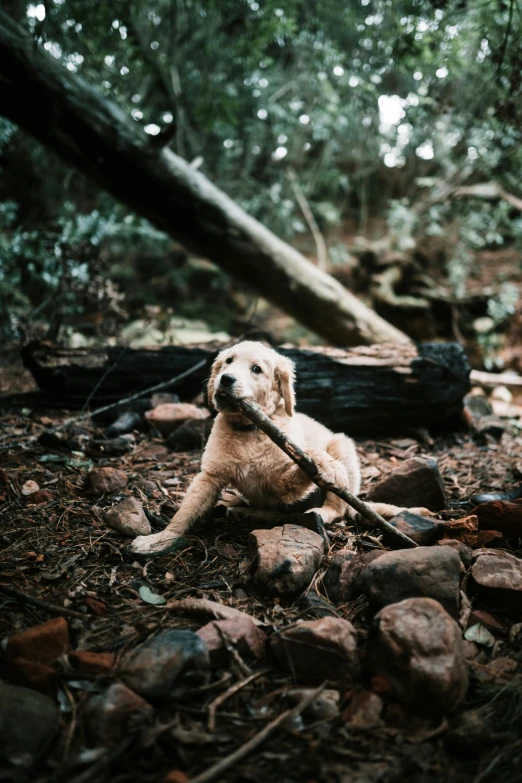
[(65, 113), (359, 390)]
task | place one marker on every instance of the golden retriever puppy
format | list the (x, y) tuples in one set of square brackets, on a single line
[(239, 455)]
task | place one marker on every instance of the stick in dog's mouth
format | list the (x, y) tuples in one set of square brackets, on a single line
[(254, 413)]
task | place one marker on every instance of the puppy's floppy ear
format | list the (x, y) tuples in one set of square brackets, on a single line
[(215, 370), (285, 376)]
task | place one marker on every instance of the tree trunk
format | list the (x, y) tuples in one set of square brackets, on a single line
[(65, 113), (365, 389)]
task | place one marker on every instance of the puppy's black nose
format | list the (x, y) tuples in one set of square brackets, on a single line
[(227, 380)]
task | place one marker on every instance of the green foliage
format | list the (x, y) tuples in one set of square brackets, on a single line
[(372, 103)]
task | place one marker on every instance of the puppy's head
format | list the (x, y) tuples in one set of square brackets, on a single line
[(253, 371)]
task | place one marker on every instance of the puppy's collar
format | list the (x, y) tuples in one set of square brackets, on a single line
[(240, 426)]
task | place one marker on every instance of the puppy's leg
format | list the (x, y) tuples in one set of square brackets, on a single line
[(339, 465), (388, 511), (200, 499)]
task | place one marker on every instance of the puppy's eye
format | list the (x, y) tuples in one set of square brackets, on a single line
[(229, 360), (257, 369)]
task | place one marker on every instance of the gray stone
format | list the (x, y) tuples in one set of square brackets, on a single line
[(423, 530), (169, 659), (415, 483), (287, 558), (28, 722), (342, 580), (417, 648), (430, 572), (111, 715), (496, 569), (128, 518)]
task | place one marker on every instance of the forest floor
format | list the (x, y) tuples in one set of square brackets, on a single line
[(55, 546)]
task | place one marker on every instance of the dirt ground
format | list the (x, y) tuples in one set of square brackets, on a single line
[(60, 550)]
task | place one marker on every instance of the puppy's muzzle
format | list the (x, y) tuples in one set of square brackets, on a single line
[(227, 381)]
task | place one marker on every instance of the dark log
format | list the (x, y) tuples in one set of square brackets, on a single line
[(96, 136), (359, 390)]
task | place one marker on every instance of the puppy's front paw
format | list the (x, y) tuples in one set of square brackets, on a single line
[(154, 545), (330, 470)]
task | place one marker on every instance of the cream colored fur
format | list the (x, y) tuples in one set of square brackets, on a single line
[(248, 460)]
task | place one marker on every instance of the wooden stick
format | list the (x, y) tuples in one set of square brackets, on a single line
[(308, 466), (12, 592), (215, 772), (218, 701)]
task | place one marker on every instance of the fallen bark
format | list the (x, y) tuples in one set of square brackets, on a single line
[(364, 389), (68, 115)]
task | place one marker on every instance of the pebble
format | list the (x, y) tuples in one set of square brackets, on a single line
[(287, 558), (128, 518), (415, 483)]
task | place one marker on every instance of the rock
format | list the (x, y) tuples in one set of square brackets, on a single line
[(113, 714), (417, 482), (422, 530), (105, 481), (325, 706), (43, 643), (28, 722), (115, 447), (316, 606), (147, 486), (430, 572), (464, 529), (128, 518), (287, 558), (465, 552), (417, 647), (86, 662), (168, 417), (364, 710), (192, 434), (496, 570), (476, 407), (29, 488), (29, 654), (318, 650), (489, 427), (502, 515), (342, 578), (502, 394), (471, 650), (126, 422), (239, 632), (169, 659)]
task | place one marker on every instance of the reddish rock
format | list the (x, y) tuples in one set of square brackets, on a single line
[(176, 776), (43, 643), (342, 580), (39, 497), (128, 518), (87, 662), (502, 515), (431, 572), (168, 417), (364, 710), (95, 606), (286, 558), (113, 714), (417, 647), (167, 660), (105, 481), (318, 650), (32, 674), (238, 632), (465, 530), (415, 483), (497, 570)]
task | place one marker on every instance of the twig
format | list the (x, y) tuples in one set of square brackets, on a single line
[(218, 701), (308, 466), (322, 253), (76, 419), (12, 592), (215, 772)]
